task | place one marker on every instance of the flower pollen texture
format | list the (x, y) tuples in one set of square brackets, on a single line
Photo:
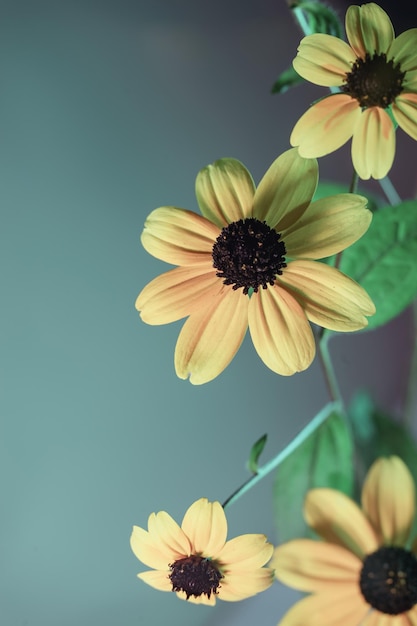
[(195, 575)]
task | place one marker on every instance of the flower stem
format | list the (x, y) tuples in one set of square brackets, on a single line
[(281, 456), (328, 370), (390, 191)]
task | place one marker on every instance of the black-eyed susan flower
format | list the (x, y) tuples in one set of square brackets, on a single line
[(196, 561), (365, 570), (249, 260), (376, 74)]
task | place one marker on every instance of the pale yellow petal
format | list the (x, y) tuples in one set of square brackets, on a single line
[(165, 531), (405, 112), (368, 29), (339, 520), (203, 599), (412, 616), (205, 525), (286, 190), (178, 236), (373, 144), (148, 550), (177, 293), (210, 338), (225, 191), (328, 226), (280, 331), (314, 566), (326, 125), (245, 552), (388, 499), (157, 579), (238, 586), (323, 60), (329, 298), (335, 607), (403, 50), (376, 618)]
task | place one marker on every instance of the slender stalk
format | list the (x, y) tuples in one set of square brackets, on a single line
[(352, 189), (390, 191), (281, 456), (328, 370)]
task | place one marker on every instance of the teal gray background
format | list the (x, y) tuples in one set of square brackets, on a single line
[(108, 110)]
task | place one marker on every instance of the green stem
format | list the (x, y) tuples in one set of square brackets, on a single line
[(281, 456), (352, 189), (328, 370), (390, 191)]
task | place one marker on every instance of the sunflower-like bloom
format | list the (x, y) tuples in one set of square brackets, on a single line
[(249, 260), (196, 561), (377, 79), (365, 571)]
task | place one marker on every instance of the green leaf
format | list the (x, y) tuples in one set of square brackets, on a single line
[(288, 78), (255, 453), (384, 261), (324, 459), (319, 17)]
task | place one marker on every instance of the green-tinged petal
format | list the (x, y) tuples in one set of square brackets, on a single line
[(165, 532), (403, 50), (368, 29), (238, 586), (149, 551), (280, 331), (286, 189), (329, 298), (326, 125), (210, 338), (339, 606), (328, 226), (373, 144), (375, 618), (178, 236), (157, 579), (405, 112), (324, 60), (225, 192), (339, 520), (203, 599), (388, 499), (245, 552), (177, 294), (205, 525), (314, 566)]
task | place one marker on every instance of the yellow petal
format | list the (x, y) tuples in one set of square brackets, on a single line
[(403, 50), (328, 226), (388, 499), (177, 294), (245, 552), (150, 552), (210, 338), (205, 525), (405, 112), (310, 565), (335, 607), (412, 616), (280, 331), (329, 298), (323, 60), (157, 579), (368, 29), (286, 190), (376, 618), (165, 532), (373, 144), (339, 520), (203, 599), (326, 125), (178, 236), (238, 586), (225, 191)]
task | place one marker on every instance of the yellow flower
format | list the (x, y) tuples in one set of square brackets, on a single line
[(377, 77), (196, 561), (365, 572), (250, 261)]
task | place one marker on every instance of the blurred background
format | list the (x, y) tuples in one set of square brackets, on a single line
[(108, 109)]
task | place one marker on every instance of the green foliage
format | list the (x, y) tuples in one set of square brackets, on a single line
[(324, 459), (255, 453), (319, 17), (288, 78), (384, 261)]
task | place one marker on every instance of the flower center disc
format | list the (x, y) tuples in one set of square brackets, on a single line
[(248, 254), (388, 580), (374, 81), (195, 575)]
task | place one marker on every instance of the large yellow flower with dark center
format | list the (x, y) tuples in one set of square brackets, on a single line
[(377, 77), (249, 261), (365, 571), (196, 561)]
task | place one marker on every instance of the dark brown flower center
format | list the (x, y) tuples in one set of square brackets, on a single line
[(388, 580), (195, 575), (374, 81), (249, 254)]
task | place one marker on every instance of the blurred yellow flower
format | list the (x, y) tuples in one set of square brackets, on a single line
[(377, 77), (196, 561), (249, 260), (365, 571)]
